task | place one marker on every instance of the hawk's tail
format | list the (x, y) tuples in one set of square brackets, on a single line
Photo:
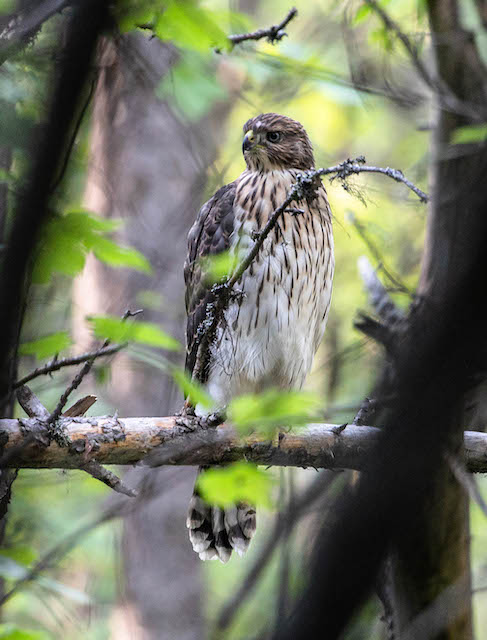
[(214, 532)]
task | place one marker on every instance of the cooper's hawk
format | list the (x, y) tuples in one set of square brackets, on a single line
[(269, 335)]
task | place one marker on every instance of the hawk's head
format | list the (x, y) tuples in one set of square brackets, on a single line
[(273, 141)]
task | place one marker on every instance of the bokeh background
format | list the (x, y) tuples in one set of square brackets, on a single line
[(161, 131)]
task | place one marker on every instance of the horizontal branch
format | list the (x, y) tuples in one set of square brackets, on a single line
[(161, 441)]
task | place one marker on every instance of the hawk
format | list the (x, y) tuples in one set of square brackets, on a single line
[(267, 337)]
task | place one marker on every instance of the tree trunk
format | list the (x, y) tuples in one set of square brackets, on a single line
[(151, 170), (436, 559)]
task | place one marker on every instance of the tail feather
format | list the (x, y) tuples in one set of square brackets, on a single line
[(215, 532)]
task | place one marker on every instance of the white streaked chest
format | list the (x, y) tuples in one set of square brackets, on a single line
[(270, 336)]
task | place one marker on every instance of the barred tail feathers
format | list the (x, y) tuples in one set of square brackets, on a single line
[(215, 532)]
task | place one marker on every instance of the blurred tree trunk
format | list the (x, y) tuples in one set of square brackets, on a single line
[(151, 170), (437, 556), (6, 409)]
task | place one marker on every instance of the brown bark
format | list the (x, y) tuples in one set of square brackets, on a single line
[(436, 556), (161, 441)]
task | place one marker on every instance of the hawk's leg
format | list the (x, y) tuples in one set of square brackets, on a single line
[(189, 421)]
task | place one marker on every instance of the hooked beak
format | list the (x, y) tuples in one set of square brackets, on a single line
[(248, 141)]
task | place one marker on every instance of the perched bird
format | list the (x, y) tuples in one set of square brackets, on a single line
[(267, 337)]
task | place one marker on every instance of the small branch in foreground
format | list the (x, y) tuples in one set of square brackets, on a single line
[(304, 187), (77, 380), (97, 471), (350, 167), (55, 365), (273, 34)]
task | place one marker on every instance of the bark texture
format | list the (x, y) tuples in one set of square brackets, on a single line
[(162, 441), (436, 557)]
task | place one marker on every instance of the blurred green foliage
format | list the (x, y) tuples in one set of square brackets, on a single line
[(238, 482), (306, 76)]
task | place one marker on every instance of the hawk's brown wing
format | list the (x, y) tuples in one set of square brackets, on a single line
[(209, 235)]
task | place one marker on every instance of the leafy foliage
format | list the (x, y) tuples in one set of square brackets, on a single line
[(13, 632), (67, 239), (219, 266), (47, 346), (193, 391), (470, 134), (273, 409), (239, 482), (117, 330)]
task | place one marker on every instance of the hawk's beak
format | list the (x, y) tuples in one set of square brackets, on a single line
[(248, 141)]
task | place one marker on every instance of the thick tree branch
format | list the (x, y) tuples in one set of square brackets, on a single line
[(110, 440), (24, 26)]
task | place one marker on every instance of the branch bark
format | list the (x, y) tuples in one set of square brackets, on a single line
[(161, 441)]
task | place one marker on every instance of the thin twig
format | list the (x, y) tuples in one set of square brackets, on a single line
[(393, 278), (350, 167), (77, 380), (74, 135), (446, 97), (55, 365), (119, 508), (97, 471), (274, 33)]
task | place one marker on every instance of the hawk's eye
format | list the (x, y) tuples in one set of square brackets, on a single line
[(273, 136)]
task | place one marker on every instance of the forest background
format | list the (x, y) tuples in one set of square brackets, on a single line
[(160, 129)]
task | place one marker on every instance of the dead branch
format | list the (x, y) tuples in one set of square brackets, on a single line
[(273, 34), (157, 441), (56, 365), (379, 297), (42, 437)]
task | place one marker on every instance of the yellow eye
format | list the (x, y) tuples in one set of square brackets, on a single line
[(273, 136)]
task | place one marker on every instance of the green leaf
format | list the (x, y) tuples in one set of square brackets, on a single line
[(192, 390), (192, 87), (188, 25), (272, 409), (363, 12), (118, 330), (10, 631), (470, 134), (116, 256), (6, 177), (219, 265), (239, 482), (66, 240), (47, 346), (21, 554)]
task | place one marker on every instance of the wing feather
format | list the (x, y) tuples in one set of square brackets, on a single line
[(209, 235)]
